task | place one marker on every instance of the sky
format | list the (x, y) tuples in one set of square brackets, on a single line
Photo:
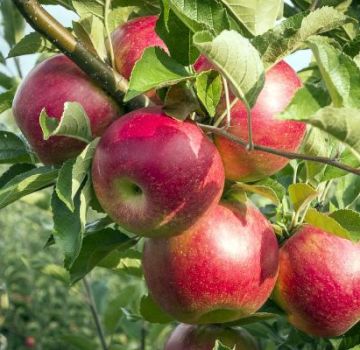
[(298, 60)]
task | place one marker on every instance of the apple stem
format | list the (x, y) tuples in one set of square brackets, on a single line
[(285, 154), (95, 314), (109, 80)]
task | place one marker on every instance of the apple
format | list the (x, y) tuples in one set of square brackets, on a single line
[(49, 85), (155, 175), (187, 337), (319, 282), (130, 41), (221, 270), (30, 342), (281, 84)]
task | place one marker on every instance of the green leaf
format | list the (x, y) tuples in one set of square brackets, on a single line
[(73, 123), (86, 8), (326, 223), (6, 100), (12, 21), (177, 37), (13, 149), (256, 317), (90, 31), (30, 44), (26, 183), (209, 90), (79, 342), (2, 58), (151, 312), (96, 246), (206, 14), (155, 70), (7, 82), (236, 59), (267, 188), (349, 220), (340, 73), (220, 346), (180, 101), (72, 174), (301, 195), (257, 16), (290, 34), (13, 171), (69, 226)]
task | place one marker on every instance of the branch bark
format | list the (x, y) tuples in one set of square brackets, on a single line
[(288, 155), (110, 81)]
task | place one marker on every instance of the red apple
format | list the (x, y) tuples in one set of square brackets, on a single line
[(130, 41), (30, 342), (319, 282), (281, 84), (186, 337), (155, 175), (49, 85), (219, 271)]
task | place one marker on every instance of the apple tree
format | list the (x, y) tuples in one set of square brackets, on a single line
[(182, 150)]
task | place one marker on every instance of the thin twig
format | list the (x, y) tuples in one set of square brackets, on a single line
[(285, 154), (95, 314), (314, 5)]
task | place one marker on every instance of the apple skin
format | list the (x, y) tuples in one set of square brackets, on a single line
[(30, 342), (130, 41), (187, 337), (281, 84), (219, 271), (155, 175), (49, 85), (319, 282)]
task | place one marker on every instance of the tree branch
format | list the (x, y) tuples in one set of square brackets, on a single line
[(91, 64), (285, 154)]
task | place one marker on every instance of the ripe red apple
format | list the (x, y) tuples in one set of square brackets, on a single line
[(219, 271), (186, 337), (281, 84), (319, 282), (49, 85), (130, 41), (155, 175)]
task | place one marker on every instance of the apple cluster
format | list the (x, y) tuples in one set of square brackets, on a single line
[(206, 260)]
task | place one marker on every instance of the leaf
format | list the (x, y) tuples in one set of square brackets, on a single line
[(6, 100), (204, 14), (301, 195), (73, 123), (86, 8), (26, 183), (12, 21), (220, 346), (79, 342), (69, 226), (96, 247), (72, 174), (180, 101), (30, 44), (257, 16), (326, 223), (236, 59), (177, 36), (155, 69), (13, 149), (7, 82), (339, 72), (151, 312), (267, 188), (256, 317), (13, 171), (209, 90), (349, 220), (290, 34)]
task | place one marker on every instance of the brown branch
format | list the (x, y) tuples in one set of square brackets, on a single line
[(90, 63), (285, 154)]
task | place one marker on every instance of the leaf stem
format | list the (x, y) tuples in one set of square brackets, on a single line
[(222, 117), (109, 45), (18, 67), (227, 100), (110, 81), (285, 154), (95, 314), (250, 145)]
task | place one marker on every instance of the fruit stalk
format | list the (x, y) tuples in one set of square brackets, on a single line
[(113, 83)]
